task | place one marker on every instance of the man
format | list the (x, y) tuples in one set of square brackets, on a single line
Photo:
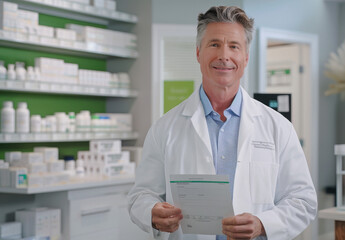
[(219, 129)]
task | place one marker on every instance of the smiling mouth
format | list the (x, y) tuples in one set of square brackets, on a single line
[(224, 68)]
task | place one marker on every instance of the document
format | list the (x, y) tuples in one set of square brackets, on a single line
[(204, 200)]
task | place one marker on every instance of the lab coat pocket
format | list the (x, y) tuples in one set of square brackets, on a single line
[(263, 179)]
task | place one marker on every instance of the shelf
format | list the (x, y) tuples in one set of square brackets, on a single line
[(64, 88), (332, 213), (81, 184), (68, 9), (34, 42), (64, 137)]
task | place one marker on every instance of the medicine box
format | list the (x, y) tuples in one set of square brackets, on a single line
[(32, 157), (49, 153), (12, 157), (5, 177), (40, 222), (18, 177), (111, 158), (11, 230), (57, 166), (37, 168), (105, 146)]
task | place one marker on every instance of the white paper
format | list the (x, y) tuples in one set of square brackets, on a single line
[(204, 200)]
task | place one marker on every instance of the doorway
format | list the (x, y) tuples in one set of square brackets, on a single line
[(288, 63)]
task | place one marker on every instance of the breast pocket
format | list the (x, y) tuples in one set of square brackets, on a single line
[(263, 179)]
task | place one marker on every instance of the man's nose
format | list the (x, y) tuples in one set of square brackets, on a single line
[(223, 54)]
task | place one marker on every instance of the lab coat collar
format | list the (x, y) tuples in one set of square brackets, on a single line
[(249, 111)]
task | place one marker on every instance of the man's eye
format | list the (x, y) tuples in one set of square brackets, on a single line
[(233, 47), (214, 45)]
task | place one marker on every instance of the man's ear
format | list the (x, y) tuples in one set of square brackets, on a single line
[(197, 54)]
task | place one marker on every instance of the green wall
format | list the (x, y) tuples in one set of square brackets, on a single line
[(47, 104)]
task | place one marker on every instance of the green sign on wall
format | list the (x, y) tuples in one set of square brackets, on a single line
[(175, 92)]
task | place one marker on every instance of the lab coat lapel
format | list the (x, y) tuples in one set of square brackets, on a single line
[(242, 195), (195, 110)]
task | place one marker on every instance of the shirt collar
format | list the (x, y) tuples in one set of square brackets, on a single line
[(235, 106)]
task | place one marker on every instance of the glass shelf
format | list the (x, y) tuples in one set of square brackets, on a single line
[(74, 10), (65, 88), (34, 42), (64, 137)]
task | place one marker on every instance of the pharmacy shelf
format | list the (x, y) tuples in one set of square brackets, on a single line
[(73, 185), (37, 43), (77, 11), (64, 137), (64, 88)]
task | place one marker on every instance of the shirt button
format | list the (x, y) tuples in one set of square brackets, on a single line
[(222, 130), (223, 157)]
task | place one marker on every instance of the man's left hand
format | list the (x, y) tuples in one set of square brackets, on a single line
[(243, 226)]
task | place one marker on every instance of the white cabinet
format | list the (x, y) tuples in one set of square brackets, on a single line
[(94, 213)]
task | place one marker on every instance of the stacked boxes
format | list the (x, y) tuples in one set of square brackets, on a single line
[(33, 169), (105, 158), (105, 37), (56, 70), (11, 230), (45, 222), (8, 16)]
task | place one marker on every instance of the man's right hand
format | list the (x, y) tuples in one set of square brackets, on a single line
[(166, 217)]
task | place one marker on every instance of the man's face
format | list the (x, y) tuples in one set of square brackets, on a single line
[(222, 55)]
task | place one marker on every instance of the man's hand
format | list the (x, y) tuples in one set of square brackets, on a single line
[(166, 217), (243, 226)]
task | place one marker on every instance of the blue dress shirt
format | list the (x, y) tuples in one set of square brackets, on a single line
[(223, 136)]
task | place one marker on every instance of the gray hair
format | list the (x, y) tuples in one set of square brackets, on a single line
[(225, 14)]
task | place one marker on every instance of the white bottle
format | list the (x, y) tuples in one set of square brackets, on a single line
[(30, 74), (3, 71), (61, 122), (11, 73), (35, 123), (7, 117), (71, 124), (20, 71), (22, 118), (80, 171)]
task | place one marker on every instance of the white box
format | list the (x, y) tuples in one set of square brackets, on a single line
[(36, 222), (49, 153), (5, 177), (135, 153), (11, 230), (12, 157), (45, 31), (32, 157), (65, 34), (37, 168), (85, 156), (98, 3), (110, 5), (35, 180), (55, 223), (117, 169), (112, 158), (18, 177), (57, 166), (105, 146)]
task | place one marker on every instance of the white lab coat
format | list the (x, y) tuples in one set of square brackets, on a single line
[(272, 179)]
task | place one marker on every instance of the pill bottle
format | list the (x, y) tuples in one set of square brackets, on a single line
[(11, 73), (35, 123), (7, 117), (69, 164), (22, 118), (3, 71), (30, 74), (71, 122), (20, 71)]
